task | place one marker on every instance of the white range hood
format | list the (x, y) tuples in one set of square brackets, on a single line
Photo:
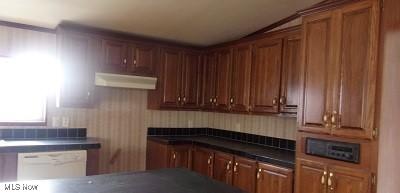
[(125, 81)]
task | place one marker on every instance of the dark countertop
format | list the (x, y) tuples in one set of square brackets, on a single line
[(19, 146), (157, 181), (280, 157)]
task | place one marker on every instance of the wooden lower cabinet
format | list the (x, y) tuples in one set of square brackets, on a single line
[(315, 177), (244, 174), (223, 167), (273, 179), (202, 161), (179, 156)]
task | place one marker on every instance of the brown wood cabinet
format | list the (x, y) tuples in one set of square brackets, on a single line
[(273, 179), (180, 78), (266, 72), (179, 156), (223, 80), (125, 57), (315, 177), (241, 77), (202, 161), (244, 174), (223, 167), (209, 81), (79, 55), (290, 79), (338, 83)]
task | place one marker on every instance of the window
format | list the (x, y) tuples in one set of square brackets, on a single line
[(25, 84)]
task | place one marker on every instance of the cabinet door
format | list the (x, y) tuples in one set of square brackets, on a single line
[(273, 179), (266, 75), (179, 156), (311, 177), (245, 174), (223, 167), (142, 59), (354, 101), (115, 56), (171, 77), (157, 155), (241, 72), (224, 66), (79, 53), (316, 73), (8, 167), (203, 160), (346, 180), (289, 98), (209, 80), (191, 80)]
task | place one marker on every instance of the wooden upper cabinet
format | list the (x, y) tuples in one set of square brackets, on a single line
[(316, 72), (241, 72), (266, 75), (171, 64), (346, 180), (273, 179), (142, 59), (115, 56), (202, 161), (191, 73), (245, 174), (354, 101), (209, 80), (289, 98), (79, 55), (223, 81), (179, 156), (223, 167), (311, 177)]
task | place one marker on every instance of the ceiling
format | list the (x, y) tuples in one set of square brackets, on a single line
[(196, 22)]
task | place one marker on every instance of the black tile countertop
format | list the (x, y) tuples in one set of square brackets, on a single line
[(157, 181), (280, 157), (19, 146)]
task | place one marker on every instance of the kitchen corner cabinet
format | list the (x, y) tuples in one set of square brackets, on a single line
[(203, 161), (223, 167), (160, 156), (79, 55), (244, 174), (273, 179), (223, 79), (180, 78), (339, 83), (124, 57), (179, 156), (266, 76), (315, 177)]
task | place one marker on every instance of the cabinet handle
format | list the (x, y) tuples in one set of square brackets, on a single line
[(134, 62), (235, 167), (249, 108), (228, 166), (259, 173), (209, 160), (334, 119), (231, 100), (323, 178), (124, 61), (325, 119), (215, 100), (179, 99), (174, 156), (211, 100), (274, 101), (330, 181), (282, 100), (184, 99)]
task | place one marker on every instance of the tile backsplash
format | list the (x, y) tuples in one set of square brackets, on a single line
[(51, 133), (225, 134)]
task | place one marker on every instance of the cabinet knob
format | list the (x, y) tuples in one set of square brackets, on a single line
[(282, 100), (174, 156), (330, 181), (259, 173), (134, 61), (228, 166), (231, 100), (274, 101), (211, 100), (325, 119), (215, 100), (209, 160), (184, 99), (124, 61), (235, 167), (323, 178), (179, 99), (335, 120)]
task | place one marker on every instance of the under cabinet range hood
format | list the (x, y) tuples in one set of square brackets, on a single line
[(125, 81)]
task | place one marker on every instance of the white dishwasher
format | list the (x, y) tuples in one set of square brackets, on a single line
[(51, 165)]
